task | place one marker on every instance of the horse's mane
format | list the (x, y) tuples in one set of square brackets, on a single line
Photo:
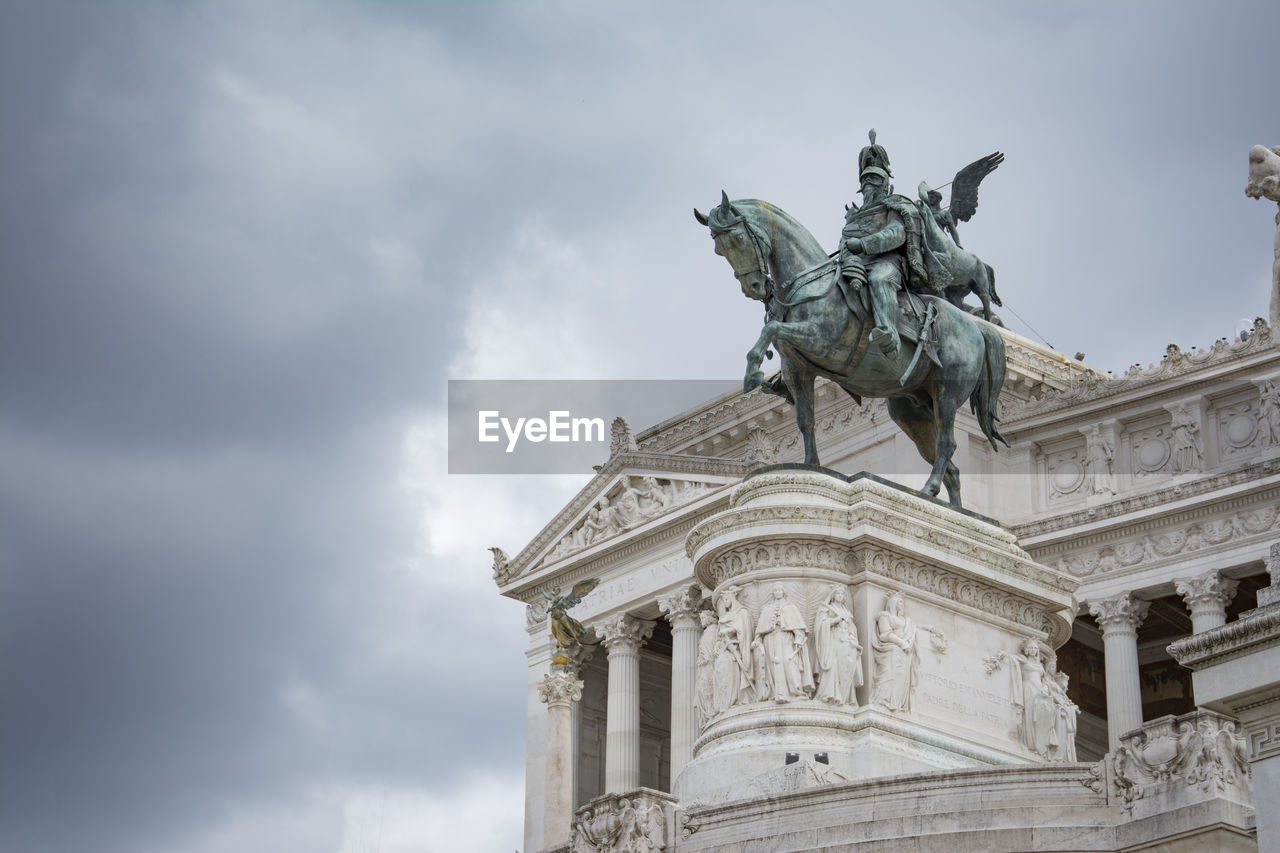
[(769, 218)]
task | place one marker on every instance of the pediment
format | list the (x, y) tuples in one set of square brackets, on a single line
[(635, 493)]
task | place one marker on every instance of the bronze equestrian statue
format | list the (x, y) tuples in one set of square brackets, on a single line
[(875, 319)]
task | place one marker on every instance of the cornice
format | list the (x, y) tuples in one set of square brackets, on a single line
[(1253, 631), (1092, 390)]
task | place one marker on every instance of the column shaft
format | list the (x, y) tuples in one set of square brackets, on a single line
[(681, 610), (1119, 618), (622, 732), (560, 690), (623, 635)]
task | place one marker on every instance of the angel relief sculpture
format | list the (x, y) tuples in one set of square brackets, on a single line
[(566, 630)]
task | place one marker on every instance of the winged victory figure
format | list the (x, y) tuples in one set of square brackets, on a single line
[(964, 194), (566, 630)]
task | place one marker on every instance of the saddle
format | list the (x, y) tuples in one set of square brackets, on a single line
[(914, 321)]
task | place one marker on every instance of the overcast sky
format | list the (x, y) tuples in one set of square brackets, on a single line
[(243, 246)]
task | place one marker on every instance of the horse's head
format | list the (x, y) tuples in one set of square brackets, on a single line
[(743, 245)]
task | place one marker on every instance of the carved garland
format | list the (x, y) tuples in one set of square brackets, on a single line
[(1194, 537)]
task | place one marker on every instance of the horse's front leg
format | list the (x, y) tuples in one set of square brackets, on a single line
[(806, 336), (755, 377), (800, 381)]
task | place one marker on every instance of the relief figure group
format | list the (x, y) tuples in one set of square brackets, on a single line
[(776, 658)]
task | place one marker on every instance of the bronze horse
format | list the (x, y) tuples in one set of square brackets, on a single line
[(819, 331)]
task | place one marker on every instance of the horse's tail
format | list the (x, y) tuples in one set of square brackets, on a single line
[(986, 394), (991, 278)]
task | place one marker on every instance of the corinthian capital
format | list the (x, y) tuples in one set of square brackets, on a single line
[(1123, 613), (560, 688), (1208, 590), (624, 633), (681, 607)]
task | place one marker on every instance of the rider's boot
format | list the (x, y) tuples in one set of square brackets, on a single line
[(884, 306)]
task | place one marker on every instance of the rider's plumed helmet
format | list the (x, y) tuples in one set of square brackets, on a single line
[(873, 160)]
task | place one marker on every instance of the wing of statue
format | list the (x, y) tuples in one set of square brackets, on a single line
[(964, 189), (579, 592)]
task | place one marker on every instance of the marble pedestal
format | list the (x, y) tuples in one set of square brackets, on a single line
[(950, 694)]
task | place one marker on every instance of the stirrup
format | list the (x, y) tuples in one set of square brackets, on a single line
[(886, 340)]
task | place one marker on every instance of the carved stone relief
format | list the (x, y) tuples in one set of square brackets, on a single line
[(1150, 451), (1046, 718), (622, 440), (632, 502), (1269, 412), (760, 449), (634, 822), (1064, 473), (1198, 750), (502, 571), (1239, 428), (1099, 462), (895, 655), (1185, 447)]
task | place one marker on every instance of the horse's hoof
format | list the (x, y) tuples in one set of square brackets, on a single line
[(752, 381)]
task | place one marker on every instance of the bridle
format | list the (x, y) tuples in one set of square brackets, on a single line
[(775, 298), (762, 256)]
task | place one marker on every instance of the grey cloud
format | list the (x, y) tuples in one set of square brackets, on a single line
[(241, 243)]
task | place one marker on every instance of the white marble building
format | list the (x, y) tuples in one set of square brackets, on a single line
[(1136, 510)]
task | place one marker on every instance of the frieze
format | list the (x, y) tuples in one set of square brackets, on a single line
[(961, 589), (1131, 554), (1175, 364), (810, 553), (1146, 500)]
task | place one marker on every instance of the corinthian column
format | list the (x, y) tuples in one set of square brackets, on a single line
[(1207, 597), (560, 690), (623, 635), (1119, 619), (681, 610)]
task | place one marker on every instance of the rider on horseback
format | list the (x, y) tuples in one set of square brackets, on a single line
[(880, 246)]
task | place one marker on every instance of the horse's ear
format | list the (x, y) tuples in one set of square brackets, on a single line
[(724, 199), (701, 217)]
